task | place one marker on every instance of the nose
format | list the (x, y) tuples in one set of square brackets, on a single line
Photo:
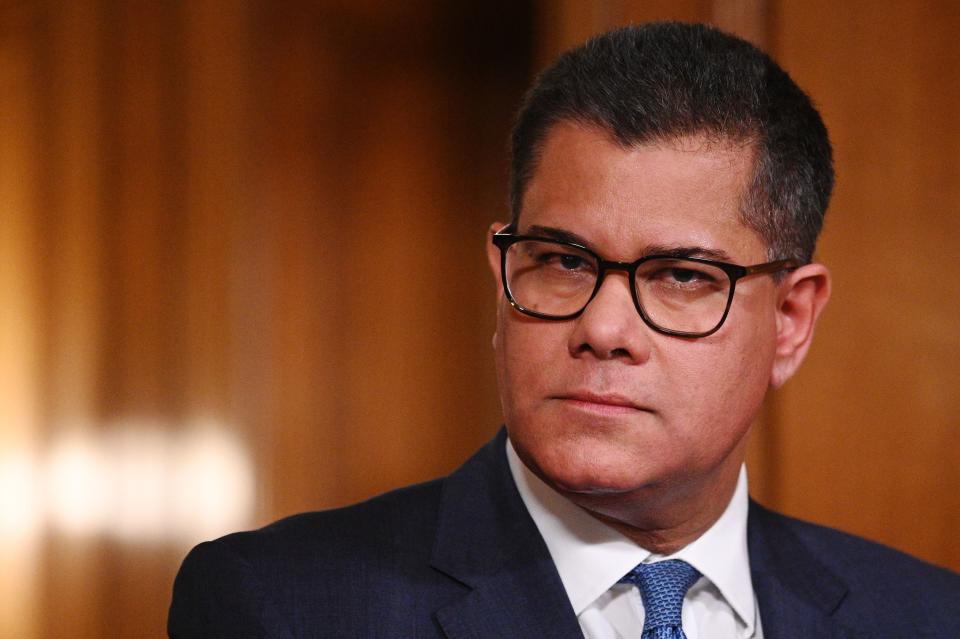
[(610, 328)]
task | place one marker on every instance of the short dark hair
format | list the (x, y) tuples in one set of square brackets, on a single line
[(665, 80)]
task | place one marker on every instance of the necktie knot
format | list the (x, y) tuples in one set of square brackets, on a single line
[(662, 587)]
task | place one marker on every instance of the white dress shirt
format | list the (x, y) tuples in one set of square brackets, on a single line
[(591, 557)]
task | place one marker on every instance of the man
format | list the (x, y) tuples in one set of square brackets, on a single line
[(668, 186)]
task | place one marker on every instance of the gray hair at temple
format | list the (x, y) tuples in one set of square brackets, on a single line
[(662, 81)]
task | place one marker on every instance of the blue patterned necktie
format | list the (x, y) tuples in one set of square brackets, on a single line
[(662, 587)]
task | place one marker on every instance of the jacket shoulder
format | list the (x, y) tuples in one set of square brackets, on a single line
[(881, 582), (297, 571), (398, 520), (391, 532), (852, 555)]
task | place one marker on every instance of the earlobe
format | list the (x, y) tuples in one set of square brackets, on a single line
[(803, 295)]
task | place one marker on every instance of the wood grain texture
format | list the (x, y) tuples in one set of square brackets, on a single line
[(267, 216), (869, 429), (271, 216)]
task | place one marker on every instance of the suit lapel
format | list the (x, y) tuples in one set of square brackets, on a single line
[(487, 541), (510, 605), (786, 615), (796, 593)]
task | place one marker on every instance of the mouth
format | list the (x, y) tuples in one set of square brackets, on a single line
[(602, 403)]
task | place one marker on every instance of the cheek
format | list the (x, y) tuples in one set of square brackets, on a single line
[(726, 381), (526, 350), (522, 339)]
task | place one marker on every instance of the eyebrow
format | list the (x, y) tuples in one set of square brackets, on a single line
[(651, 249), (687, 251), (556, 234)]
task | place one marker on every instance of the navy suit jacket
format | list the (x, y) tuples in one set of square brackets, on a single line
[(461, 558)]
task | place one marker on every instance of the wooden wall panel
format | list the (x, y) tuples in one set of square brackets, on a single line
[(20, 396), (368, 197), (869, 430), (263, 221), (67, 49), (291, 287), (568, 23)]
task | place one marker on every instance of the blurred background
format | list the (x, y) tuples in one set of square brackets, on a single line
[(242, 272)]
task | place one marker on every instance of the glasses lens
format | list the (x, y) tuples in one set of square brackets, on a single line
[(550, 278), (683, 295)]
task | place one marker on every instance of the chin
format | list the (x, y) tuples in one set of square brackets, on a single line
[(579, 469)]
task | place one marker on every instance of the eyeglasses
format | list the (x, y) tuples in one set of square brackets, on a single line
[(686, 296)]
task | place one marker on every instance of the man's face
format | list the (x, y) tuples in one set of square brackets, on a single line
[(601, 406)]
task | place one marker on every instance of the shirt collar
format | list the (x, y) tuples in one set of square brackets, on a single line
[(591, 557)]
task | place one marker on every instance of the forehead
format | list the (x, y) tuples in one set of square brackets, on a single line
[(681, 192)]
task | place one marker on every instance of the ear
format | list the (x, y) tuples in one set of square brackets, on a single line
[(493, 256), (493, 259), (801, 299)]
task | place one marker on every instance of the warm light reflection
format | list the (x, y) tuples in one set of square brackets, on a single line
[(213, 484), (78, 485), (142, 468), (19, 502), (136, 481)]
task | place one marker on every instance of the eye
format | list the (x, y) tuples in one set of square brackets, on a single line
[(686, 276), (681, 275), (560, 260), (570, 262)]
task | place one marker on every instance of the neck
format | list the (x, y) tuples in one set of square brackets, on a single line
[(667, 520)]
